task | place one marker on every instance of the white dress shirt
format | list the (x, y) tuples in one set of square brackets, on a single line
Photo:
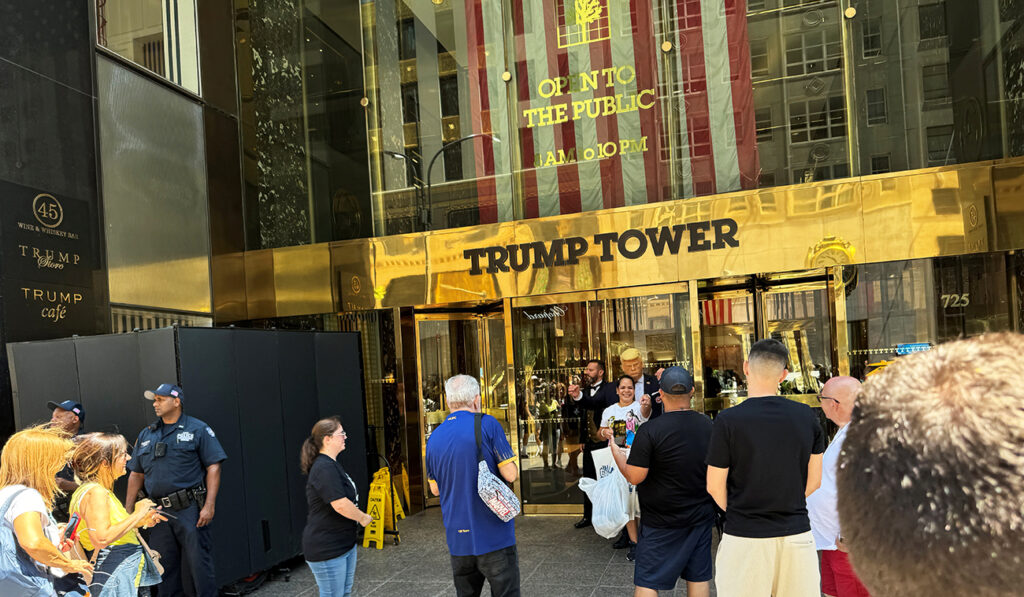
[(821, 505)]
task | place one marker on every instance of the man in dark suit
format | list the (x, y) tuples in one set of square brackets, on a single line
[(646, 384), (595, 395)]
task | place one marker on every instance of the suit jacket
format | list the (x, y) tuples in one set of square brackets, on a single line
[(604, 397), (653, 389)]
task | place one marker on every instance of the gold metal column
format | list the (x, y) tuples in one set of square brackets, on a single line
[(695, 347), (840, 332)]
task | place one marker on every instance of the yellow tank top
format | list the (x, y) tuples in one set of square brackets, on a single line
[(117, 514)]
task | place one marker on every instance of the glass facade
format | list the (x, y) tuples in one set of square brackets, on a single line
[(892, 306), (303, 128), (158, 35), (495, 111)]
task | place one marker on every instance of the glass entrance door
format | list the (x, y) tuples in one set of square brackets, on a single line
[(554, 337), (793, 309), (454, 343)]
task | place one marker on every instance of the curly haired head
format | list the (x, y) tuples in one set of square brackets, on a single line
[(931, 476)]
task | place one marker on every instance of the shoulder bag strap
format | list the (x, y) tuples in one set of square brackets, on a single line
[(10, 500), (477, 418)]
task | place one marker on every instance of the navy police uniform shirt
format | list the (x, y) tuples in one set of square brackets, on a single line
[(470, 527), (191, 447)]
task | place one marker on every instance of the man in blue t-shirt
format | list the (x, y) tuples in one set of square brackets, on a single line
[(481, 545)]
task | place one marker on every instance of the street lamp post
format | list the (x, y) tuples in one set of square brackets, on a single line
[(430, 167)]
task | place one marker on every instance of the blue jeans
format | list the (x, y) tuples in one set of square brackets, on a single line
[(334, 577)]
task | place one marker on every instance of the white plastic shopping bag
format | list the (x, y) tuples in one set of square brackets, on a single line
[(610, 496), (604, 464)]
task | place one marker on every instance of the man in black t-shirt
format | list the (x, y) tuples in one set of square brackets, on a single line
[(763, 461), (666, 463)]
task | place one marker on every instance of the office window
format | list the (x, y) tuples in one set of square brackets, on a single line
[(940, 145), (935, 83), (763, 120), (163, 42), (872, 38), (813, 52), (880, 164), (821, 172), (759, 58), (449, 96), (932, 20), (876, 106), (406, 39), (817, 119), (410, 103)]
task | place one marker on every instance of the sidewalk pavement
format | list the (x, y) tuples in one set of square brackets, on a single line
[(554, 559)]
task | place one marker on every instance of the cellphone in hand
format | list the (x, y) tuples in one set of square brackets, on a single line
[(71, 532)]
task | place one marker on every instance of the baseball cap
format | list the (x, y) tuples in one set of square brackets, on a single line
[(165, 389), (71, 405), (676, 381)]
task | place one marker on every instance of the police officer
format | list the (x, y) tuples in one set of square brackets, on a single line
[(68, 416), (178, 459)]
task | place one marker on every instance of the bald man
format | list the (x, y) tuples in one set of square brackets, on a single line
[(837, 577)]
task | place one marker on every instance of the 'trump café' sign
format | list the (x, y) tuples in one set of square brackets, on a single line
[(632, 243)]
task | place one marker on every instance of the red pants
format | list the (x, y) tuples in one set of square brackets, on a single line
[(837, 576)]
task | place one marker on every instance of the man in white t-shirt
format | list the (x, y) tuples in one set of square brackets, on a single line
[(837, 576)]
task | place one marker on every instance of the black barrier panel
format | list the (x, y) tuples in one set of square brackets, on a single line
[(339, 377), (158, 362), (108, 375), (260, 391), (299, 411), (263, 448), (207, 363), (41, 372)]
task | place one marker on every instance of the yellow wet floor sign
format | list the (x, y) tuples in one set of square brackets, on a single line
[(374, 532)]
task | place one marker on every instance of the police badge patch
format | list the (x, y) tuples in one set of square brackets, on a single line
[(185, 436)]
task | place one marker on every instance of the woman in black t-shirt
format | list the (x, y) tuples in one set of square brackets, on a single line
[(329, 539)]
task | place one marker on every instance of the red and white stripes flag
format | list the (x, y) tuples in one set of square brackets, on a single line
[(485, 64), (716, 114), (572, 59), (589, 157), (716, 311)]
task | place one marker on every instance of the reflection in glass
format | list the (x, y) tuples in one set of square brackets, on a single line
[(551, 351), (727, 332), (593, 111), (657, 325), (159, 35), (925, 301), (447, 348), (800, 320)]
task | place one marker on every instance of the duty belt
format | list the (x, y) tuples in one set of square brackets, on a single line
[(183, 498)]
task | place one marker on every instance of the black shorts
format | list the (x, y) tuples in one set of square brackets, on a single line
[(664, 555)]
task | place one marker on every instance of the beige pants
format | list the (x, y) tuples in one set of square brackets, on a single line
[(778, 566)]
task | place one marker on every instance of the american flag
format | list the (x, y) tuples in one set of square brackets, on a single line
[(724, 311), (707, 100)]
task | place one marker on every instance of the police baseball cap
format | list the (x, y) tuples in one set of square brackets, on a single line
[(165, 389), (71, 405), (676, 381)]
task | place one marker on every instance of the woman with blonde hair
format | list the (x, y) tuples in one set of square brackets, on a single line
[(329, 538), (29, 464), (122, 565)]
